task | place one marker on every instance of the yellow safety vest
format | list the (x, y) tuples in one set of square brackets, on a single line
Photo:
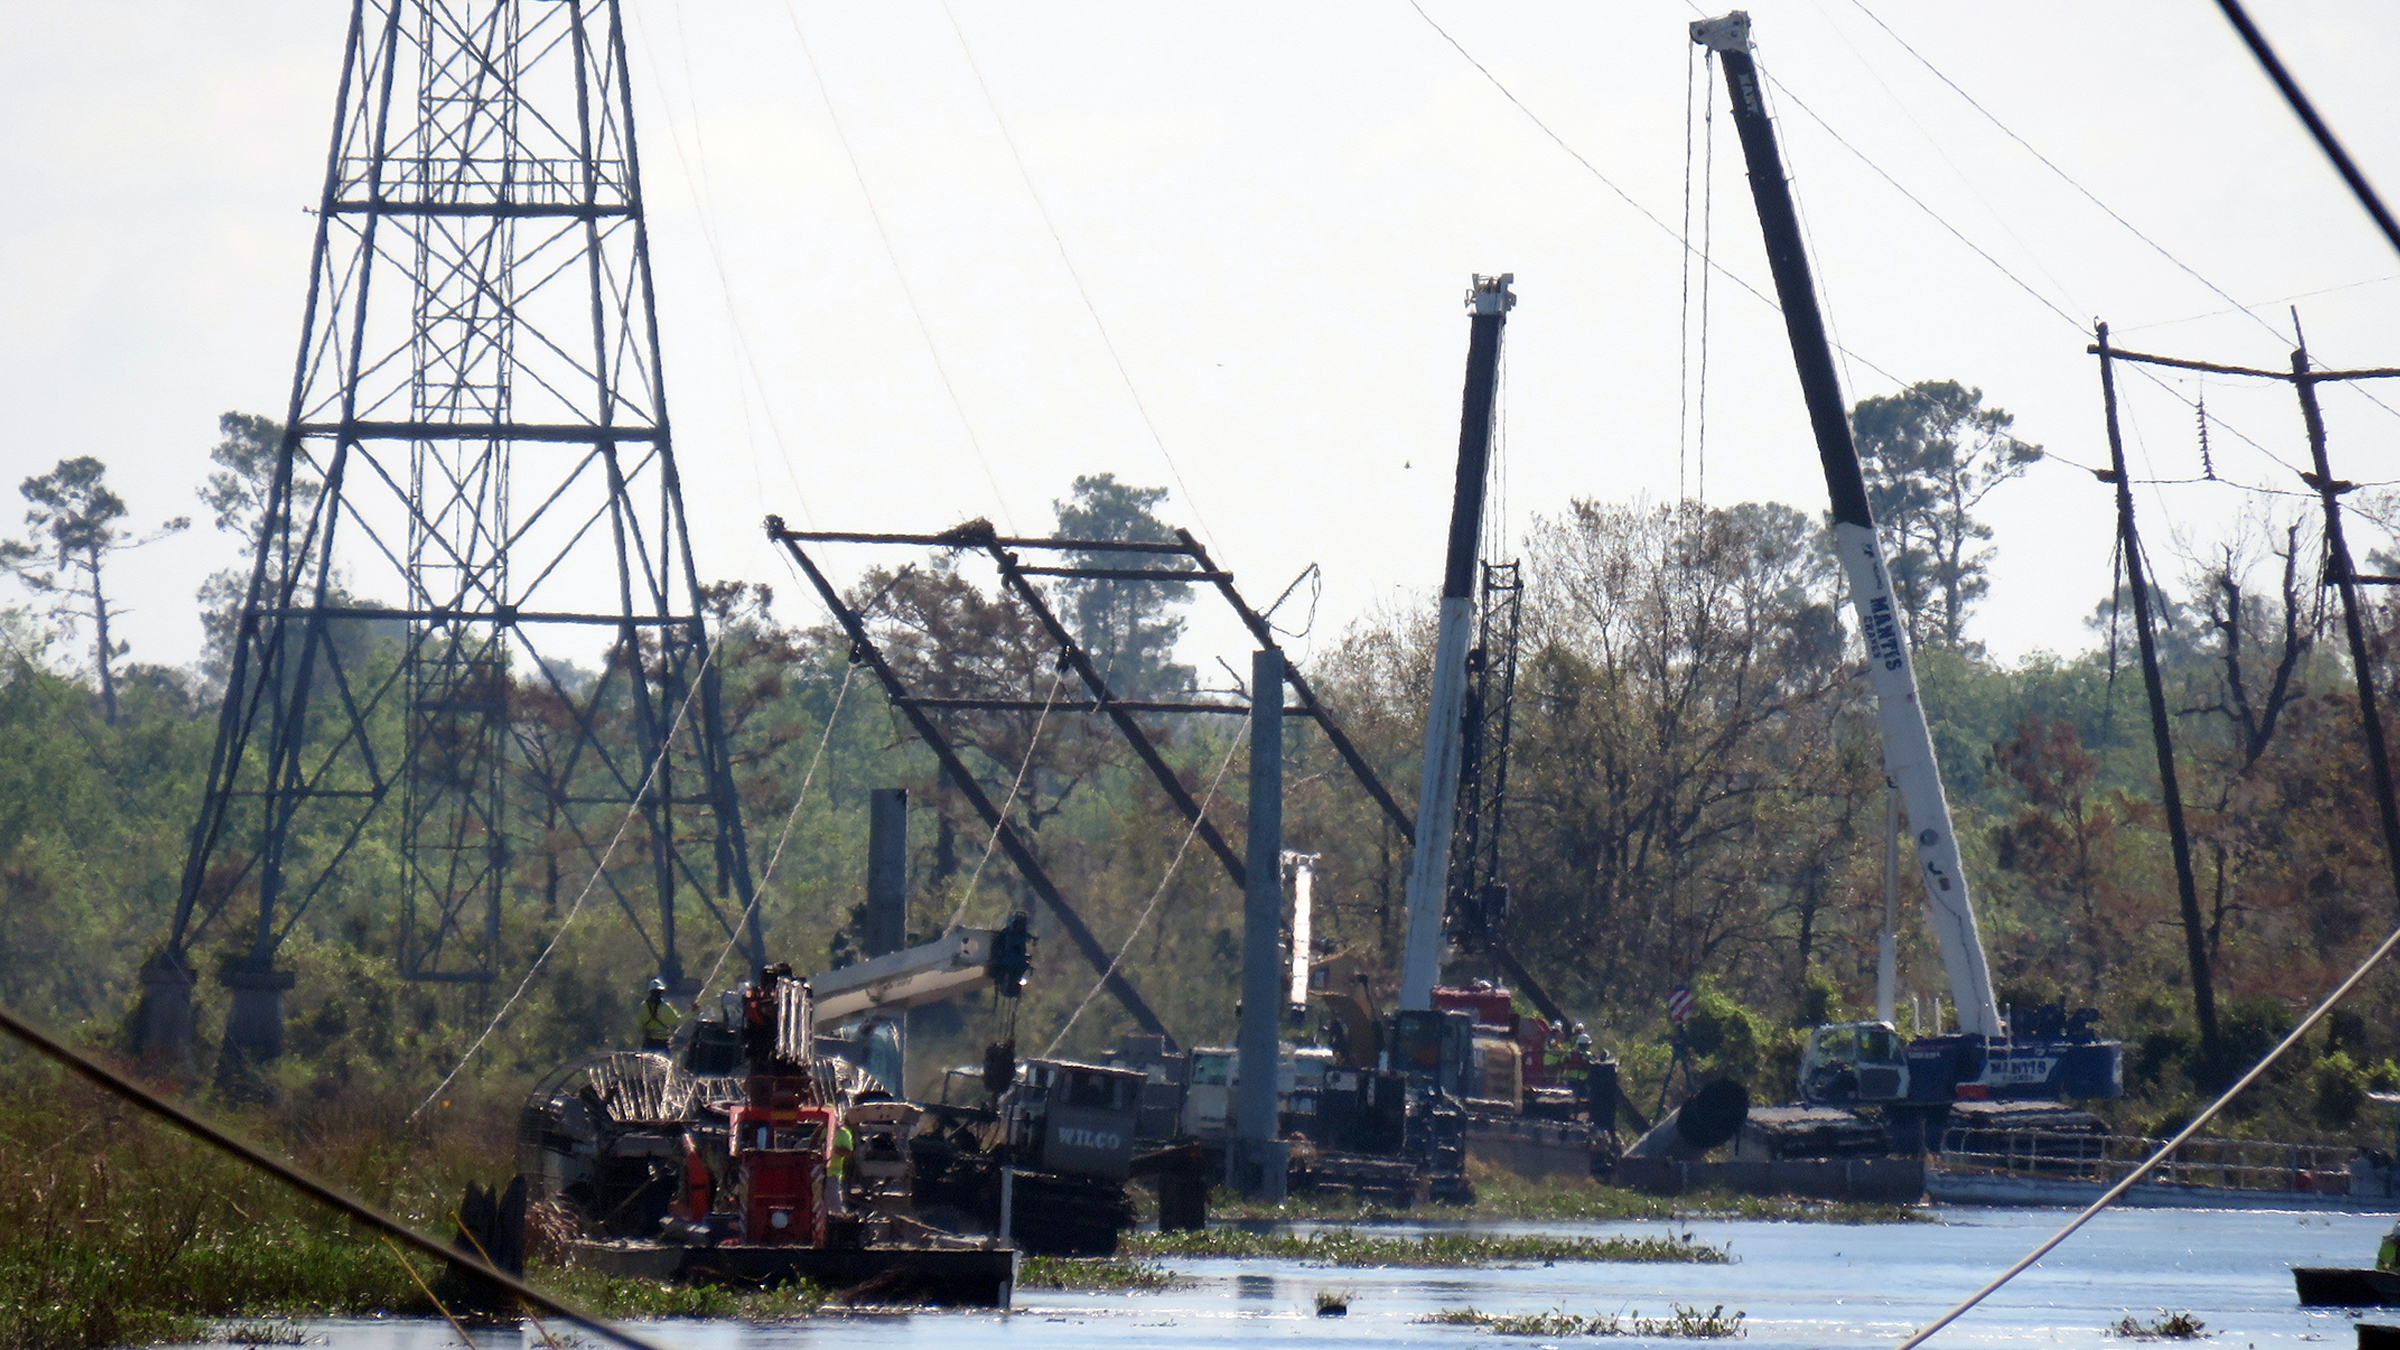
[(658, 1019)]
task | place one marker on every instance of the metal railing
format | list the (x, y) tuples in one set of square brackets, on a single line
[(2233, 1164)]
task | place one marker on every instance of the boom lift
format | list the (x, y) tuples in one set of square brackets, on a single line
[(2050, 1055)]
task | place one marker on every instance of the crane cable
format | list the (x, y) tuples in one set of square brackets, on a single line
[(1232, 743), (1622, 195)]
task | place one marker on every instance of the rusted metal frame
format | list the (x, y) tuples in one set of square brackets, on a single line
[(1013, 577), (1363, 771), (862, 646)]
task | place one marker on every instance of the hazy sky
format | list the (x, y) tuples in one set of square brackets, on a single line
[(1275, 210)]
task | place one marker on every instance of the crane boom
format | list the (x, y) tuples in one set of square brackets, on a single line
[(1907, 742), (1437, 790)]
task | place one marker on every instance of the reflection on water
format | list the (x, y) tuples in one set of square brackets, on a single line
[(1803, 1285)]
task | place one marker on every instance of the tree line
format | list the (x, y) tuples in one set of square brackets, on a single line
[(1697, 794)]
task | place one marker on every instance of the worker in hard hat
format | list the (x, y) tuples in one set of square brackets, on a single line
[(658, 1017)]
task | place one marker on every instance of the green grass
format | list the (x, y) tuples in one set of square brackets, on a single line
[(1106, 1273), (1686, 1323), (1353, 1247)]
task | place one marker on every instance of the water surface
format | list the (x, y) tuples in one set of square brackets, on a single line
[(1802, 1285)]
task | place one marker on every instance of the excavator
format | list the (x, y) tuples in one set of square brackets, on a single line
[(2037, 1055)]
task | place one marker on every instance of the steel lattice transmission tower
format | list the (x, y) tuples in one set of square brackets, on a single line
[(475, 481)]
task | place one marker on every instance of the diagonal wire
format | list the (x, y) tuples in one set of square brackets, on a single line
[(1232, 744), (1032, 743), (251, 1155), (1622, 195), (2065, 177), (631, 810), (758, 893), (2151, 1163), (907, 291), (2307, 113), (1106, 340)]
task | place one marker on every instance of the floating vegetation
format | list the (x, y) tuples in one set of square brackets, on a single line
[(1353, 1247), (2167, 1326), (1686, 1324), (1333, 1303), (1092, 1272), (1503, 1195), (261, 1333), (633, 1296)]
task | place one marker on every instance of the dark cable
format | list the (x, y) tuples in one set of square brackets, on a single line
[(110, 1081), (1622, 195), (2307, 112)]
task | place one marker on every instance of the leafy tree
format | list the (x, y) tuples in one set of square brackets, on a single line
[(1932, 453), (238, 493), (1129, 627), (74, 518)]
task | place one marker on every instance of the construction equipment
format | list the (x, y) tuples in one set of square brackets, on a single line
[(1045, 1164), (2049, 1053), (1489, 301)]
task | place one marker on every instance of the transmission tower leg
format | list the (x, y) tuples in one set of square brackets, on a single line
[(164, 1022), (254, 1019)]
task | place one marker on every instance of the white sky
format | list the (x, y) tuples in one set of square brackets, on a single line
[(1276, 209)]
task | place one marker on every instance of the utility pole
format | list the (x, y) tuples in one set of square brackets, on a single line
[(1258, 1164), (2337, 559), (1488, 302), (2187, 891)]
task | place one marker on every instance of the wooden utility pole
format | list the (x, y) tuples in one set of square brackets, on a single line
[(2187, 891), (2337, 562)]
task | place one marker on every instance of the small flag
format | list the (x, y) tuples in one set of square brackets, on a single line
[(1679, 1004)]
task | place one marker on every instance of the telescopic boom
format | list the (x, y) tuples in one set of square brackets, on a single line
[(1907, 742), (1437, 791)]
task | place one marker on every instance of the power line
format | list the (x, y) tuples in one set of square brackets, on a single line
[(1978, 250), (2263, 304), (1628, 198), (907, 291), (2111, 212), (703, 207), (1190, 502), (2307, 112), (2065, 177)]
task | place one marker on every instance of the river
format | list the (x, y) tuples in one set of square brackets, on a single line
[(1801, 1285)]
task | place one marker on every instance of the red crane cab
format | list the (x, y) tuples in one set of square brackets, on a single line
[(781, 1152)]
